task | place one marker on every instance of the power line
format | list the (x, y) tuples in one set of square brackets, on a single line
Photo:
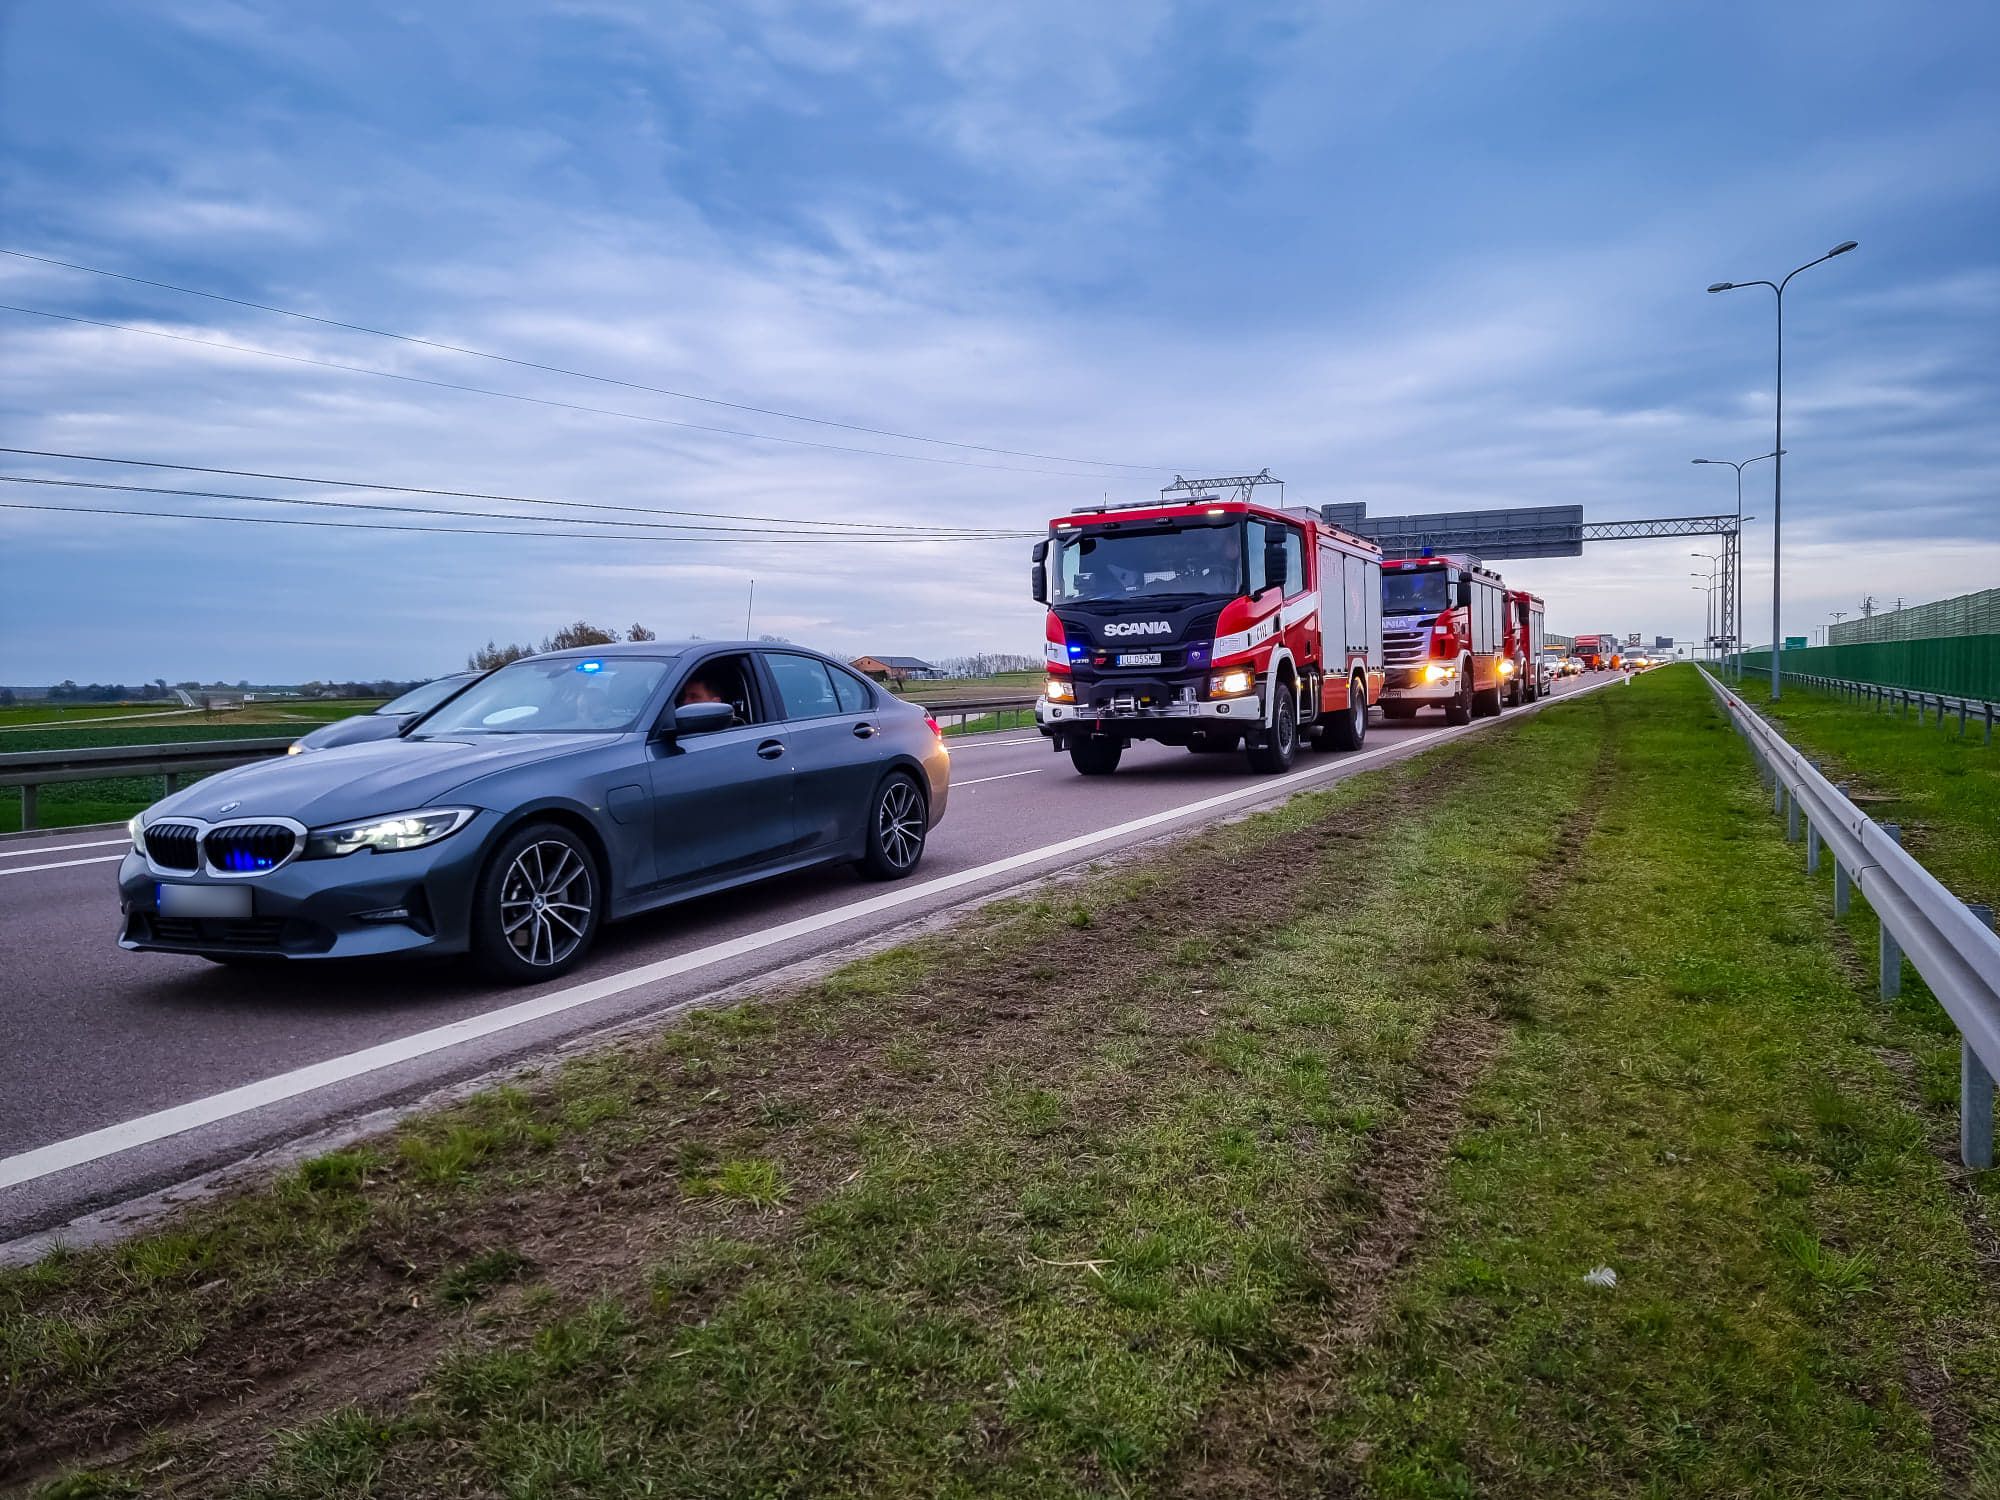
[(174, 515), (529, 364), (408, 489), (480, 390), (941, 535)]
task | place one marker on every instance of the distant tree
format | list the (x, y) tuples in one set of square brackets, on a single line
[(582, 633), (6, 697), (777, 640), (640, 633), (489, 656)]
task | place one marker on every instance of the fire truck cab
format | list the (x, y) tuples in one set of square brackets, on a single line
[(1209, 622), (1444, 637)]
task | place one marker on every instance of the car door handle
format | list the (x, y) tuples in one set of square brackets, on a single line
[(771, 749), (864, 731)]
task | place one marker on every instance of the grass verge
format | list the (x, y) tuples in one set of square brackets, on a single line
[(1147, 1185)]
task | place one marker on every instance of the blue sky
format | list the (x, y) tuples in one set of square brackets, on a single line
[(1427, 262)]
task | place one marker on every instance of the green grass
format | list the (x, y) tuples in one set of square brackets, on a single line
[(968, 1219), (1943, 790)]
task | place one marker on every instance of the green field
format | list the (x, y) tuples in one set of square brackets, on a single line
[(1178, 1180), (68, 804)]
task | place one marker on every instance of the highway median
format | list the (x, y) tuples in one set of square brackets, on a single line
[(1512, 1119)]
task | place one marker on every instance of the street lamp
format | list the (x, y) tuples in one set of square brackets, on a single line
[(1708, 607), (1734, 626), (1778, 443), (1714, 566)]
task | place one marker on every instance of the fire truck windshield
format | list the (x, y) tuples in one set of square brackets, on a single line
[(1195, 561), (1421, 591)]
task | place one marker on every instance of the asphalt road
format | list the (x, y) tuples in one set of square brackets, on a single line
[(124, 1073)]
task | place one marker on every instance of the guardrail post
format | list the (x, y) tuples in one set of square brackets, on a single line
[(1812, 847), (1989, 723), (1890, 976), (173, 781), (1961, 718), (28, 807), (1975, 1090), (1791, 819)]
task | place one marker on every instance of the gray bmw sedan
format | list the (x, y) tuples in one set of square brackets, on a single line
[(558, 793)]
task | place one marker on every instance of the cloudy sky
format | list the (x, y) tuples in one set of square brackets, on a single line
[(1422, 262)]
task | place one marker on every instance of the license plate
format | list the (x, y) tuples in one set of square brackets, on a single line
[(1138, 658), (226, 901)]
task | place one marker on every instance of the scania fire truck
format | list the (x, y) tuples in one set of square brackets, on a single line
[(1527, 664), (1207, 619), (1444, 637)]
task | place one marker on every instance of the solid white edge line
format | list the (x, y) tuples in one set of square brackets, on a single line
[(1004, 776), (61, 1156), (64, 864), (1033, 739), (60, 848)]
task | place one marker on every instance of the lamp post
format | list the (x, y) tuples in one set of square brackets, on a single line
[(1708, 605), (1733, 599), (1712, 575), (1778, 444)]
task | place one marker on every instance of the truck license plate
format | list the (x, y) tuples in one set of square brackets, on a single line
[(225, 901), (1138, 658)]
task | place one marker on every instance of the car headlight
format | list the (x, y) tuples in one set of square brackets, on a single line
[(1061, 690), (385, 835), (138, 831), (1233, 683)]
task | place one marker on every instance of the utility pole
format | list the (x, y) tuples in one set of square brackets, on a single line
[(750, 605)]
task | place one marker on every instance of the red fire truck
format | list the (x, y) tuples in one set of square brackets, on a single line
[(1209, 620), (1527, 665), (1444, 637)]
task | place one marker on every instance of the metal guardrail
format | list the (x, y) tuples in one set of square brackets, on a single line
[(32, 769), (962, 712), (1900, 700), (1950, 942)]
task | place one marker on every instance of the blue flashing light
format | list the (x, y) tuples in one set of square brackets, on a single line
[(1075, 651), (590, 666), (242, 861), (1429, 553)]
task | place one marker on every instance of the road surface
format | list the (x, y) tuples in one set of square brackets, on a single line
[(124, 1073)]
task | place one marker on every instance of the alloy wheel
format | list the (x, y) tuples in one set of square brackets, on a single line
[(899, 824), (545, 902)]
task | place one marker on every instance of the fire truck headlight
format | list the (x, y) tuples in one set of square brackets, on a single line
[(1061, 690), (1439, 671), (1506, 669), (1232, 684)]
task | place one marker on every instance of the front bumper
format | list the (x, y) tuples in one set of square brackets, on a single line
[(1407, 685), (319, 908), (1132, 720)]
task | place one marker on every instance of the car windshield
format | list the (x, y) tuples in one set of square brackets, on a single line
[(1425, 591), (422, 699), (1202, 561), (557, 695)]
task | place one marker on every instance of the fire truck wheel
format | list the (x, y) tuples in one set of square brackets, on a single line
[(1517, 686), (1096, 755), (1349, 728), (1273, 752), (1459, 710)]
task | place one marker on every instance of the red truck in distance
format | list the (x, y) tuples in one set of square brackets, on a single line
[(1444, 637), (1596, 652), (1217, 624)]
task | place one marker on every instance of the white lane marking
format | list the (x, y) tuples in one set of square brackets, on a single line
[(60, 848), (64, 864), (61, 1156), (1008, 776), (1033, 739)]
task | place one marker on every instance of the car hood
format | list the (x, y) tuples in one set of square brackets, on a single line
[(361, 781), (356, 730)]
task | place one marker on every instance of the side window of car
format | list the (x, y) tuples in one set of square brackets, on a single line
[(723, 679), (851, 690), (803, 685)]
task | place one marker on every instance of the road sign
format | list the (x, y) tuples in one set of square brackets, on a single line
[(1663, 642), (1632, 639), (1523, 531), (1795, 643)]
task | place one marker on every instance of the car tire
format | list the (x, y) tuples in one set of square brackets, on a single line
[(899, 822), (1350, 727), (1280, 743), (537, 905), (1095, 755)]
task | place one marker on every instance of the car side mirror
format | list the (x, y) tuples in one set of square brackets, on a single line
[(1038, 575), (702, 718)]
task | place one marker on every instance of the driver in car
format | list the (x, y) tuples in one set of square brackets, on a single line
[(703, 688)]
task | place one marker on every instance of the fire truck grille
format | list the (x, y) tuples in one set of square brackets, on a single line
[(1403, 648)]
